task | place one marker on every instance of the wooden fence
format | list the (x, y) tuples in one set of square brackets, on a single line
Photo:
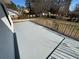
[(66, 28)]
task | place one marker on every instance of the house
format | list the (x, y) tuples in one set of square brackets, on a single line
[(13, 13)]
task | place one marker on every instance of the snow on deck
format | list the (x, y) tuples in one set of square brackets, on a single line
[(36, 42)]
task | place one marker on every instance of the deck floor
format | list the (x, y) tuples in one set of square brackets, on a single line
[(36, 42)]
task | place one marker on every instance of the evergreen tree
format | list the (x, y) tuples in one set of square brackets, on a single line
[(12, 5)]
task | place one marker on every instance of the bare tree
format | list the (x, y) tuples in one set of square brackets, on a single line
[(64, 7), (54, 6), (40, 5)]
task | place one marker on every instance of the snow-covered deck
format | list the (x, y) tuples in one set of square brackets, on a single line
[(36, 42)]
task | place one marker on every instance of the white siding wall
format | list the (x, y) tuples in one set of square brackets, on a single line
[(6, 37)]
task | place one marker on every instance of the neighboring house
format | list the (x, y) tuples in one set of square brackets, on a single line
[(26, 11), (14, 14)]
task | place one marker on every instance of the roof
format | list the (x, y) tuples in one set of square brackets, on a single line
[(13, 12), (75, 13), (5, 1)]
